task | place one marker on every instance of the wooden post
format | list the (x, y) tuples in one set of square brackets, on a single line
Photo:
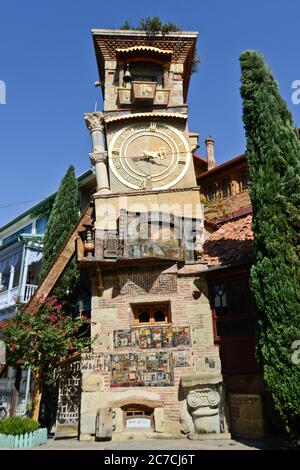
[(37, 393)]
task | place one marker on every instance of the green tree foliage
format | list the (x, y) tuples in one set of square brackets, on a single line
[(153, 25), (62, 220), (273, 153), (44, 208)]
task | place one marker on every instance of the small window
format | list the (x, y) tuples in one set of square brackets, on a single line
[(210, 192), (244, 179), (151, 313), (231, 305), (224, 187), (14, 237), (159, 314), (41, 225), (220, 300), (144, 315)]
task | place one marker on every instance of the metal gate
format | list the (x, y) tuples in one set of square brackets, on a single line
[(69, 396)]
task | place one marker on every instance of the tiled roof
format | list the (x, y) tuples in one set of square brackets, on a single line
[(230, 244), (216, 211)]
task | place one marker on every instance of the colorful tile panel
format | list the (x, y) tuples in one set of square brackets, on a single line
[(153, 337), (141, 370)]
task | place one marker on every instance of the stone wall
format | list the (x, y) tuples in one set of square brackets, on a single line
[(113, 311)]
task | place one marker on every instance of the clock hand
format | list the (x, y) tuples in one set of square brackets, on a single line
[(149, 159)]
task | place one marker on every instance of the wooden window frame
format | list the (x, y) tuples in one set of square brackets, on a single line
[(222, 184), (223, 278), (242, 172), (152, 306)]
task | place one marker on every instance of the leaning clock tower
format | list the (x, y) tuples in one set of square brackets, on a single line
[(151, 322)]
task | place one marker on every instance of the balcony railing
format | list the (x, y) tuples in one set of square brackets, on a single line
[(112, 248), (28, 293), (8, 298)]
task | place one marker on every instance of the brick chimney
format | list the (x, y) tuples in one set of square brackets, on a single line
[(210, 152)]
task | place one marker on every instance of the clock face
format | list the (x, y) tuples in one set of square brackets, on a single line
[(149, 155)]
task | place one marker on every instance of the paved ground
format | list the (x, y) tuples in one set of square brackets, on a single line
[(159, 444)]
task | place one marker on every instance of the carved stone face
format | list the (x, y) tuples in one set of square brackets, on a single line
[(149, 155)]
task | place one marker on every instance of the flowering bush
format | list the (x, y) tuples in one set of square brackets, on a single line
[(41, 334)]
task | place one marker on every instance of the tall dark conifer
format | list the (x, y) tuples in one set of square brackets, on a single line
[(62, 220), (273, 153)]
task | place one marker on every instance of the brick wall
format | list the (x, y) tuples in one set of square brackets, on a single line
[(113, 311)]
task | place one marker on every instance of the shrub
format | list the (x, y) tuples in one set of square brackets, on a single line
[(18, 425)]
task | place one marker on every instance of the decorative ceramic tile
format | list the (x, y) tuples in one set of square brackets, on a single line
[(181, 359), (153, 337), (141, 370)]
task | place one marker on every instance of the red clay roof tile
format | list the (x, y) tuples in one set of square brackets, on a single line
[(230, 244)]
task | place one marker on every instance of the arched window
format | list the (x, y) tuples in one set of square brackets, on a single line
[(151, 313)]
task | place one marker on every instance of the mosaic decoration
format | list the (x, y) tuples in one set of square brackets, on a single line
[(141, 370), (122, 338), (182, 359), (95, 362), (92, 362), (153, 337)]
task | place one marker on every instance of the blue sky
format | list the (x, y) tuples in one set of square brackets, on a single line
[(47, 62)]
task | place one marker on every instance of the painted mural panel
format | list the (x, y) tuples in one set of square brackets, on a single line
[(141, 370), (153, 337)]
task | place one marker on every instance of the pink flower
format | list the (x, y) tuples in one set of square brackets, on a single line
[(52, 318), (70, 346), (13, 346)]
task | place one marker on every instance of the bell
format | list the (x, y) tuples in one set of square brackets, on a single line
[(127, 76)]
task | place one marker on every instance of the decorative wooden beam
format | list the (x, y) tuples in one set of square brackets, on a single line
[(63, 258)]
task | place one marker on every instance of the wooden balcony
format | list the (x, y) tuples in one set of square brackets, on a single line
[(110, 249), (166, 237)]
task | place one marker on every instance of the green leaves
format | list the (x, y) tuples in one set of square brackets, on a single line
[(154, 25), (18, 425), (62, 220), (273, 153), (41, 334)]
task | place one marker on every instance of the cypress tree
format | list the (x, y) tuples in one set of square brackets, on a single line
[(62, 220), (273, 153)]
